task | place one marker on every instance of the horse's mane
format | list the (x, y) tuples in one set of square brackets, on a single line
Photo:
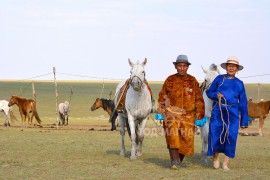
[(18, 97), (213, 67), (107, 103)]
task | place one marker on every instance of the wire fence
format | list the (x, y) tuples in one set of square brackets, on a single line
[(82, 94)]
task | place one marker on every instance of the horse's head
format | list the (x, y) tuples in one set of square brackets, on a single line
[(97, 104), (211, 73), (12, 101), (137, 74), (66, 107)]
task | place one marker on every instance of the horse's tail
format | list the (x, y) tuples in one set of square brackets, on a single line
[(11, 115), (34, 109)]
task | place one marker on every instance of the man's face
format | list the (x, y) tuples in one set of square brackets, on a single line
[(181, 68), (232, 69)]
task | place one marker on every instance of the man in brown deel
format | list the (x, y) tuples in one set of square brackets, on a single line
[(181, 102)]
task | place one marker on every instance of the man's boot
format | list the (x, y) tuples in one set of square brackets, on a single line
[(181, 157), (175, 160)]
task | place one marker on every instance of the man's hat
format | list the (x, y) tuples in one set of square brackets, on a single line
[(182, 59)]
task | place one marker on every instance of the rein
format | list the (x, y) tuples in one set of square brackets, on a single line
[(203, 87), (225, 126)]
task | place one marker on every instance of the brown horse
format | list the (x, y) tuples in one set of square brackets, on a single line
[(26, 106), (107, 105), (259, 110)]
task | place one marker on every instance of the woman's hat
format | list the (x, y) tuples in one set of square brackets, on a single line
[(182, 59), (232, 60)]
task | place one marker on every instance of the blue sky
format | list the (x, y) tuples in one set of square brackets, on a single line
[(93, 39)]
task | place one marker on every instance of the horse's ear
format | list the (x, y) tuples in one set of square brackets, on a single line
[(218, 68), (144, 62), (204, 69), (130, 63)]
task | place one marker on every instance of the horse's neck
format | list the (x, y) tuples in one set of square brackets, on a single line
[(104, 104), (139, 96), (268, 102)]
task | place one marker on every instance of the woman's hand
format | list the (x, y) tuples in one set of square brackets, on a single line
[(220, 95)]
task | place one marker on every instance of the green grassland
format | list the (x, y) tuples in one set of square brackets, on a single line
[(84, 95), (42, 153)]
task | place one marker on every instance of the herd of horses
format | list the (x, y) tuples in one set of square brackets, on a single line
[(138, 106), (28, 110)]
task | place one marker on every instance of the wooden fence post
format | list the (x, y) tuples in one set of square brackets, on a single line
[(56, 98), (34, 92)]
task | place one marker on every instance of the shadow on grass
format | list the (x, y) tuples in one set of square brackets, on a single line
[(159, 162), (117, 152), (188, 161)]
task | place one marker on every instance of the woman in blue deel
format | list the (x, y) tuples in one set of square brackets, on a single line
[(229, 111)]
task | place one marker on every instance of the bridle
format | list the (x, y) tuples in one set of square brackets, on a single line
[(132, 83), (203, 86)]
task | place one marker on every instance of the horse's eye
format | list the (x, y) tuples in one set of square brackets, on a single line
[(143, 72)]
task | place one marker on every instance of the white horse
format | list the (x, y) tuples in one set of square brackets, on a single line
[(138, 106), (8, 111), (211, 74), (63, 111)]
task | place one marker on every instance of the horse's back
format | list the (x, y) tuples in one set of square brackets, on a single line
[(255, 110)]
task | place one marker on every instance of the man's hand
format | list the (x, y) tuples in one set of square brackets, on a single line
[(160, 111)]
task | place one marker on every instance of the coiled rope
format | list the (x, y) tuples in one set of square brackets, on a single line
[(225, 127)]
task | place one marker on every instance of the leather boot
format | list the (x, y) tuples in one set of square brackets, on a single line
[(181, 157), (175, 160)]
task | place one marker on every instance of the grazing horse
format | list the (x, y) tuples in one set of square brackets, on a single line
[(211, 74), (63, 111), (107, 105), (8, 111), (259, 110), (26, 106), (138, 106)]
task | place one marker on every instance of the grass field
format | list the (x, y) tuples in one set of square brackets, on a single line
[(86, 149)]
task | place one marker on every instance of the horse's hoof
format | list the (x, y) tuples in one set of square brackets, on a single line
[(133, 157), (204, 160), (122, 153), (139, 154)]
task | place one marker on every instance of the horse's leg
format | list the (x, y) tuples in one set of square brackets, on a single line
[(131, 122), (261, 122), (204, 139), (63, 119), (113, 121), (122, 132), (29, 119), (7, 122), (23, 117), (141, 136), (25, 124), (67, 120)]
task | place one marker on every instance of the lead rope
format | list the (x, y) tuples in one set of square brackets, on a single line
[(224, 126)]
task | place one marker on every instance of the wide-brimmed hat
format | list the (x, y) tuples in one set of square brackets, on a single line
[(232, 60), (182, 59)]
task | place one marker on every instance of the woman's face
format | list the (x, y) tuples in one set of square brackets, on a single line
[(181, 68), (232, 69)]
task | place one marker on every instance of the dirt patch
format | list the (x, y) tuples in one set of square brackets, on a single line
[(75, 127)]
